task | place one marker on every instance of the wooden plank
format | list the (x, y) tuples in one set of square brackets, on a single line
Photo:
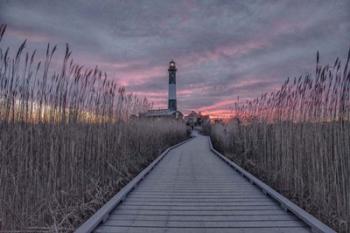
[(198, 204), (108, 229), (212, 193), (199, 196), (201, 213), (208, 189), (200, 208), (201, 224), (278, 217), (204, 202), (196, 198)]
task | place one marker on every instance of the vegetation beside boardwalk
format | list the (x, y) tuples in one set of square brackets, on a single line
[(68, 142), (297, 140)]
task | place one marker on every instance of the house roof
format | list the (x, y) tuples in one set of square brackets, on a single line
[(159, 112)]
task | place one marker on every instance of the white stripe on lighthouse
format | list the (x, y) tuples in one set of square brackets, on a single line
[(172, 91)]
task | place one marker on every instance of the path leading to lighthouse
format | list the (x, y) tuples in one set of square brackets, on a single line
[(192, 190)]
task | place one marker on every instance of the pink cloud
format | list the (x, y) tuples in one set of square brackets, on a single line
[(130, 77), (221, 104)]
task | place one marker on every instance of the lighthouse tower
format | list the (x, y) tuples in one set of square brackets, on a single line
[(171, 111), (172, 106)]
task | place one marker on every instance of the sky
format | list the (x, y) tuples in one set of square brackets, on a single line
[(223, 49)]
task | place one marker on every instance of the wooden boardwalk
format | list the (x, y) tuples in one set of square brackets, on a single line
[(192, 190)]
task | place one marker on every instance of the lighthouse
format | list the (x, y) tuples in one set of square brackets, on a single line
[(172, 105), (171, 111)]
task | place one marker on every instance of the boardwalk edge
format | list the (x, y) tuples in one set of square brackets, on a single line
[(102, 214), (316, 225)]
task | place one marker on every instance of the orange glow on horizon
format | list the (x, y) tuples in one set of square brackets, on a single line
[(219, 114)]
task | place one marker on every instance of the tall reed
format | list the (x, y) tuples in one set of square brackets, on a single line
[(298, 140), (67, 140)]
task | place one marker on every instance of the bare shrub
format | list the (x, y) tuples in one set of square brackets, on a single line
[(67, 140), (297, 140)]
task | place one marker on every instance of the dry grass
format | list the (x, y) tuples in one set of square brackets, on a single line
[(298, 140), (67, 142)]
